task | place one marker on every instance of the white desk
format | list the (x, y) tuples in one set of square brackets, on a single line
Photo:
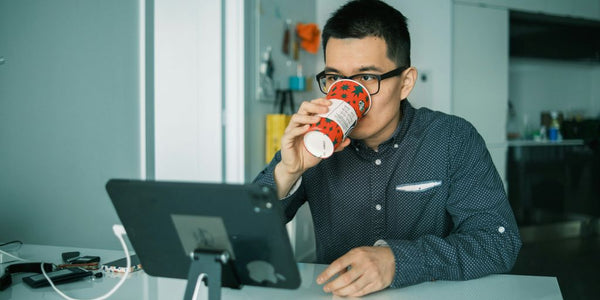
[(142, 286)]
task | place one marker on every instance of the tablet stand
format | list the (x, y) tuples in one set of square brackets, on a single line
[(206, 267)]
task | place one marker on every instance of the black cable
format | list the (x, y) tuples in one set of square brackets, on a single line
[(12, 242)]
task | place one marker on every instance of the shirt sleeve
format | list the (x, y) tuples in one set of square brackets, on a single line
[(295, 198), (484, 238)]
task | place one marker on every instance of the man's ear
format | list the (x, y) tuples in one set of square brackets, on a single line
[(409, 78)]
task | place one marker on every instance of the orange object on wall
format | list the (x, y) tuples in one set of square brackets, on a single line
[(310, 36)]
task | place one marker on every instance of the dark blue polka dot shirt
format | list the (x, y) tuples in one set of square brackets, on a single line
[(430, 192)]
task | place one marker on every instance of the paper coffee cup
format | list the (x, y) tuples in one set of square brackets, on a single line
[(350, 102)]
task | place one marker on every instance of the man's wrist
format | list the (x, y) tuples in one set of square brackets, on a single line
[(294, 187), (384, 244), (284, 180)]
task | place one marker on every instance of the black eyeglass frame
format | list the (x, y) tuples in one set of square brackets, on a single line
[(392, 73)]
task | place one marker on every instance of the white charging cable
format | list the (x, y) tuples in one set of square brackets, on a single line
[(10, 255), (119, 232)]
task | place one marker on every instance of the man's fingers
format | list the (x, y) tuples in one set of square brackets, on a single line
[(343, 282), (298, 119), (371, 271), (334, 268), (296, 131), (317, 106), (355, 288), (367, 289)]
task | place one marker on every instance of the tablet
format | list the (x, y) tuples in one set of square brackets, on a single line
[(167, 221)]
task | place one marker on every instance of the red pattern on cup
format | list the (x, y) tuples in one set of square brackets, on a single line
[(350, 102)]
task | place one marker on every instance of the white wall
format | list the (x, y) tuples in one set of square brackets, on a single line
[(199, 90), (480, 74), (188, 91), (537, 85), (234, 90)]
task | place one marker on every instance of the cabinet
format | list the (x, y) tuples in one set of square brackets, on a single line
[(554, 182), (555, 38), (480, 73), (588, 9)]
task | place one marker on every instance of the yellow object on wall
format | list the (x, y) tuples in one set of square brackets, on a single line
[(276, 124)]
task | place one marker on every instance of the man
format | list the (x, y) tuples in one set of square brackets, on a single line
[(412, 195)]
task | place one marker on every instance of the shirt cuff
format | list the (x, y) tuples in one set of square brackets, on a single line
[(294, 188), (381, 243)]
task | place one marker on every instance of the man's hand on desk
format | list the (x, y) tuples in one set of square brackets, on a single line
[(361, 271)]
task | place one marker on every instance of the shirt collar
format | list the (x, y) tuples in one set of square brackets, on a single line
[(407, 112)]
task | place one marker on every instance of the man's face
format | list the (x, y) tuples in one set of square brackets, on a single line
[(368, 55)]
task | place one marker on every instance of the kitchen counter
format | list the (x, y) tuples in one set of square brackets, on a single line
[(530, 143)]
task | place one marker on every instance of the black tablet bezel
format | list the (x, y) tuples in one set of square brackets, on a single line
[(251, 215)]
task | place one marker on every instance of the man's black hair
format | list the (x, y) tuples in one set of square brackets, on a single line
[(362, 18)]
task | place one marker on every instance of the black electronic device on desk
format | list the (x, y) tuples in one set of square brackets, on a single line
[(57, 277), (204, 231)]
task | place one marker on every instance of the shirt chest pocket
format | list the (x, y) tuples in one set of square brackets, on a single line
[(418, 187), (416, 196)]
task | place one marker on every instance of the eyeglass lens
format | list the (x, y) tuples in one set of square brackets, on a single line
[(370, 82)]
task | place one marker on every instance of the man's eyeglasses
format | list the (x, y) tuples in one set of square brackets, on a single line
[(370, 81)]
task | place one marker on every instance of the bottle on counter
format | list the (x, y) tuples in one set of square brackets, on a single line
[(541, 134), (554, 130)]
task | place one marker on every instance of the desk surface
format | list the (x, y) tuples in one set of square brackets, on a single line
[(142, 286)]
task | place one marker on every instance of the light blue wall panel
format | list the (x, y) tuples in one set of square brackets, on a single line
[(69, 117)]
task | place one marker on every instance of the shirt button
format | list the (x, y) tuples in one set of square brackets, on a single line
[(395, 145), (501, 229), (378, 161), (378, 207)]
